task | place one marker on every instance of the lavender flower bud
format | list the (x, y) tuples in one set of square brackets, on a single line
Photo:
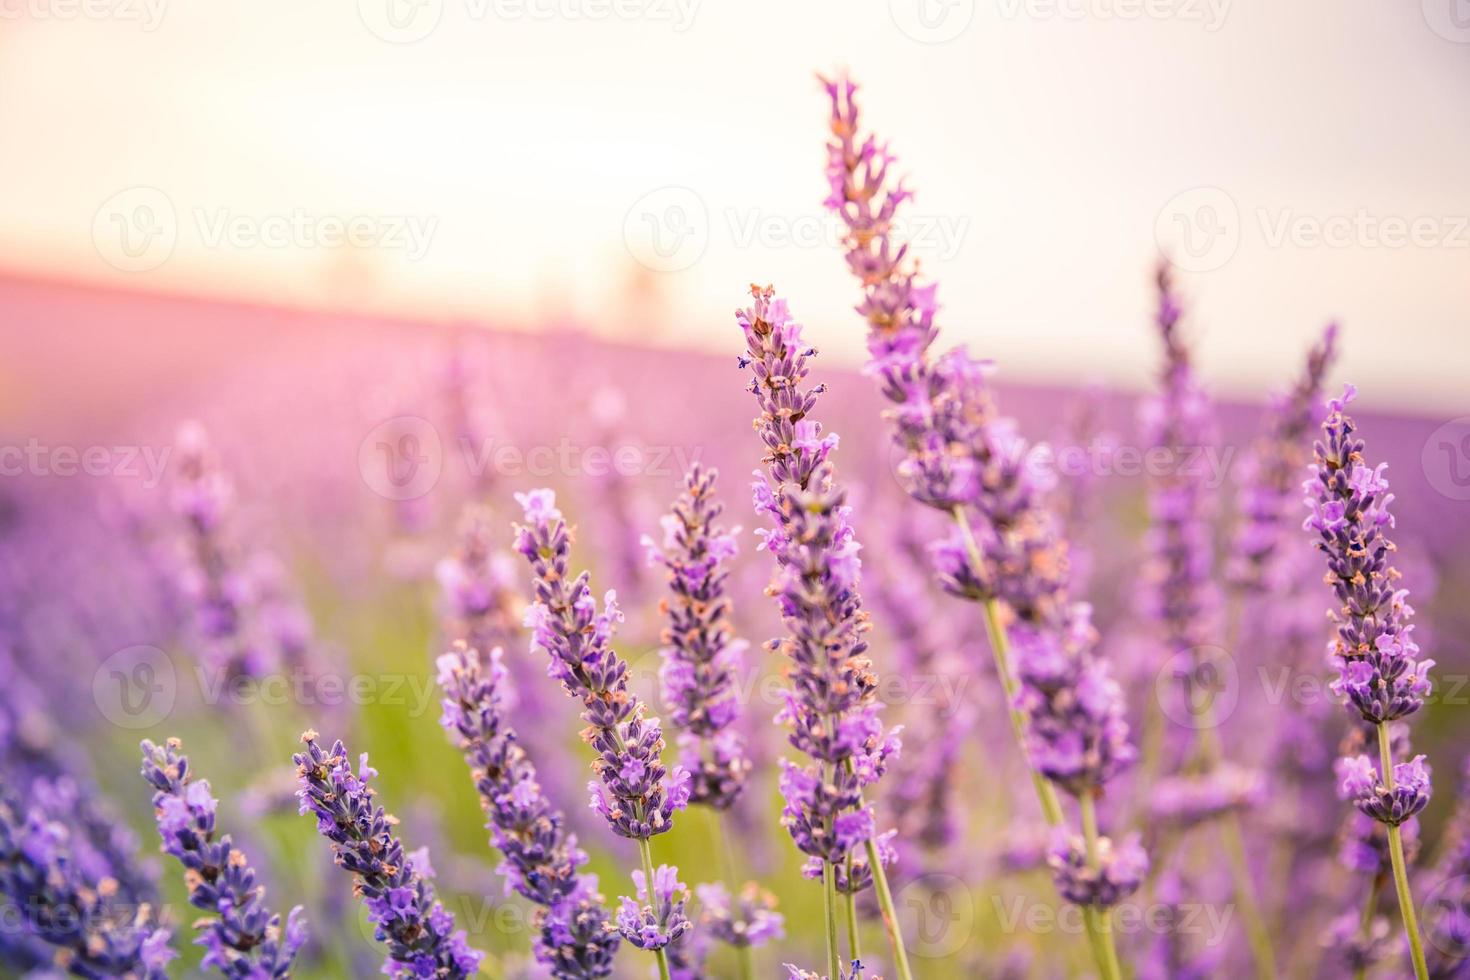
[(750, 919), (243, 938), (1358, 782), (701, 658), (636, 795), (654, 921), (396, 888), (1118, 873)]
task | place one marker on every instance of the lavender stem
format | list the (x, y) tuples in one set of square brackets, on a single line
[(890, 918), (1400, 865), (1000, 649), (1098, 918), (829, 892), (854, 944), (646, 851), (1365, 924)]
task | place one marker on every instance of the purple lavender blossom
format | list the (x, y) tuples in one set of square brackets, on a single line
[(701, 657), (655, 919), (855, 972), (1358, 780), (636, 795), (396, 888), (749, 919), (541, 857), (832, 708), (1114, 875), (960, 456), (242, 938), (96, 930), (1374, 650)]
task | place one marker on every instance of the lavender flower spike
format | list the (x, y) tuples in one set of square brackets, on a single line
[(655, 920), (96, 931), (700, 656), (395, 887), (634, 793), (831, 706), (243, 939), (1379, 673), (541, 857), (636, 796)]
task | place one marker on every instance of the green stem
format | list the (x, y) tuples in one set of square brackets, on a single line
[(744, 959), (647, 854), (829, 893), (1365, 921), (854, 943), (1099, 919), (890, 918), (1401, 866)]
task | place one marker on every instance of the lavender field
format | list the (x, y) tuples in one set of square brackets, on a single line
[(336, 645)]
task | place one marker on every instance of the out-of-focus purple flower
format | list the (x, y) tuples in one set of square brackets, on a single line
[(1447, 909), (478, 585), (701, 657), (96, 930), (636, 794), (1358, 948), (1117, 872), (1189, 798), (831, 706), (395, 886), (749, 919), (855, 972), (1270, 475), (1179, 420), (243, 938), (541, 857), (656, 918), (1076, 734)]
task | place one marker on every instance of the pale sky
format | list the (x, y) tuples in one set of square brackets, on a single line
[(513, 160)]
